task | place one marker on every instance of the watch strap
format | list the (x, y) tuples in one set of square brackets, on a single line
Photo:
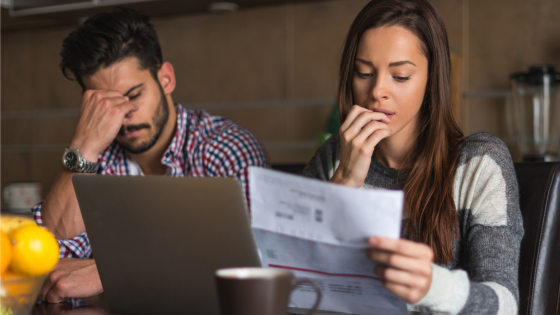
[(81, 165), (88, 167)]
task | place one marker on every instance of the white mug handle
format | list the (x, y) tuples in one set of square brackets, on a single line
[(317, 290), (8, 193)]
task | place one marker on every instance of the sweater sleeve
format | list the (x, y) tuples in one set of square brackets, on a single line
[(490, 225), (325, 161)]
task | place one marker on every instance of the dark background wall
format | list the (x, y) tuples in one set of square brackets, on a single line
[(271, 69)]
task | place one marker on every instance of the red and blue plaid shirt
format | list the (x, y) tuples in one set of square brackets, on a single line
[(203, 145)]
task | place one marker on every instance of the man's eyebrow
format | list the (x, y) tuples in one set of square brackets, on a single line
[(400, 63), (133, 88)]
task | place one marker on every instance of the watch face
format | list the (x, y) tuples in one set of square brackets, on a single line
[(71, 159)]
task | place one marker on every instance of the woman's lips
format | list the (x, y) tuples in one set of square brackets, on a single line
[(387, 112)]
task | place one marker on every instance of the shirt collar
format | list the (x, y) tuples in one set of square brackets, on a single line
[(175, 149)]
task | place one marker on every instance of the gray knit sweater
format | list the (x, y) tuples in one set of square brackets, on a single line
[(483, 277)]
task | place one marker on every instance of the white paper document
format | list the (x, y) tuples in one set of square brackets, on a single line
[(320, 231)]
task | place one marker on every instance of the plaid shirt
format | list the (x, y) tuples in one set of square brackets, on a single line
[(203, 145)]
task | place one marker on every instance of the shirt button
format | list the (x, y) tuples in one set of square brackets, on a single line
[(167, 155)]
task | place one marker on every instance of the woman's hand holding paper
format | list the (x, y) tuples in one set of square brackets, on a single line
[(404, 267)]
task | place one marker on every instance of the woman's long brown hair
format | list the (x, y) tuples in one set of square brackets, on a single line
[(429, 186)]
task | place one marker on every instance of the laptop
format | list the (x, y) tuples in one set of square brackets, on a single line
[(157, 240)]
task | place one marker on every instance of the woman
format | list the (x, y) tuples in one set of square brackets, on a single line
[(462, 217)]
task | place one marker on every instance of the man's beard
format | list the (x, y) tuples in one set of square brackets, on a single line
[(159, 120)]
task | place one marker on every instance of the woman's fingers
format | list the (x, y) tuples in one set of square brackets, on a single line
[(395, 260), (360, 125), (367, 115), (363, 120), (360, 116), (388, 274), (357, 134), (405, 267), (368, 130), (405, 292), (403, 247), (376, 137), (354, 112)]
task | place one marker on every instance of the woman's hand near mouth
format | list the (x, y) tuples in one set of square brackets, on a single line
[(359, 134)]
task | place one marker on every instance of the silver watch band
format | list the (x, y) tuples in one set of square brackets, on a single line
[(88, 167), (73, 161)]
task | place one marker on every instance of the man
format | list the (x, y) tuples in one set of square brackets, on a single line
[(129, 125)]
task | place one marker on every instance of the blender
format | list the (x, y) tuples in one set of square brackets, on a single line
[(536, 113)]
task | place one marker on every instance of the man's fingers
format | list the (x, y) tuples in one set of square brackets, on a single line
[(114, 101), (47, 285), (89, 94), (114, 106), (128, 106), (403, 247), (105, 98), (94, 96), (57, 292), (54, 297)]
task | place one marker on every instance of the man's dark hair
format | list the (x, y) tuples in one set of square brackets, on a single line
[(109, 37)]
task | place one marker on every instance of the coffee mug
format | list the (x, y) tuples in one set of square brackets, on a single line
[(21, 197), (258, 291)]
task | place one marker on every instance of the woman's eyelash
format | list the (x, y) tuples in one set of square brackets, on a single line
[(369, 75), (364, 75), (401, 79)]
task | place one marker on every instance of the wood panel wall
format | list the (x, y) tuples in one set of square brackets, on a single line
[(272, 70)]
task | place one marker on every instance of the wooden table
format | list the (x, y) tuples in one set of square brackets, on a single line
[(97, 305)]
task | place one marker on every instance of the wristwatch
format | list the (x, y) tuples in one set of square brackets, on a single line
[(74, 162)]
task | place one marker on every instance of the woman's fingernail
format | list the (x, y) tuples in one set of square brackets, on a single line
[(373, 241)]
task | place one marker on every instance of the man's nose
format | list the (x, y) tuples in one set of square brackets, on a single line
[(129, 114)]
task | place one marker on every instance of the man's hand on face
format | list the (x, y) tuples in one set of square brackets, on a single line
[(71, 278), (101, 117)]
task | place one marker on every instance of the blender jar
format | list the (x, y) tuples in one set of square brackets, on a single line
[(536, 113)]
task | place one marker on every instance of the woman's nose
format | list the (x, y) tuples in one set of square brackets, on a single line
[(379, 92)]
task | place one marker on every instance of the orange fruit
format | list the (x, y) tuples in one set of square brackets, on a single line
[(34, 251), (9, 223), (6, 252)]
